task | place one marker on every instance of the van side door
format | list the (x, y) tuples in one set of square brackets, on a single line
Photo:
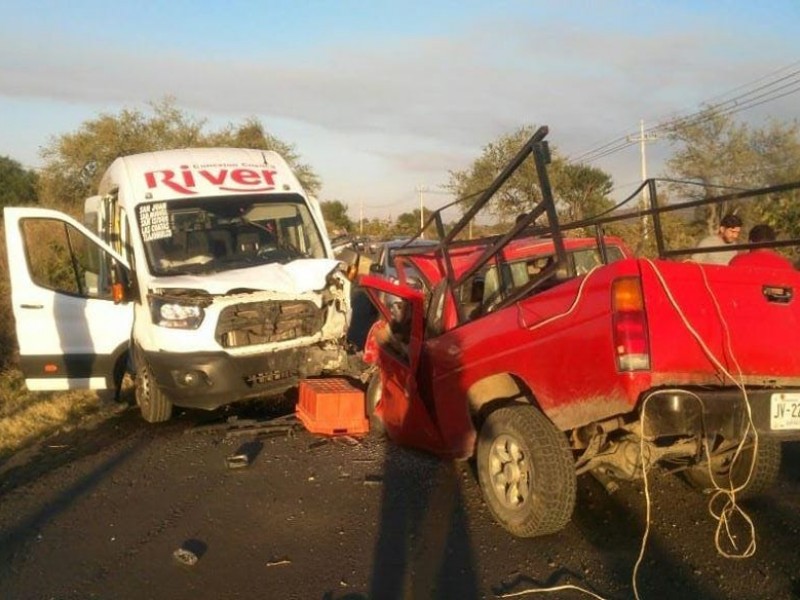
[(71, 332)]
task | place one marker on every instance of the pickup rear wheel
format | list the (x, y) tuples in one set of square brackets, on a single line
[(153, 403), (526, 471), (765, 469)]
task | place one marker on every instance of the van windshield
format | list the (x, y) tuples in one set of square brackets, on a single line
[(206, 235)]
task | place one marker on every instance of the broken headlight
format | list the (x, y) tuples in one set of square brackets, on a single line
[(168, 313)]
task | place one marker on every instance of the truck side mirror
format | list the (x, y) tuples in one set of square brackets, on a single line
[(376, 268)]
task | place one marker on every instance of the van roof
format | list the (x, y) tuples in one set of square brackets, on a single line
[(195, 172)]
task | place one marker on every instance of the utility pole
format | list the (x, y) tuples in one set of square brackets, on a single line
[(420, 189), (643, 138), (361, 217), (424, 188)]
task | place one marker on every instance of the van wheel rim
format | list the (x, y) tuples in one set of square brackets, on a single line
[(510, 470), (145, 389)]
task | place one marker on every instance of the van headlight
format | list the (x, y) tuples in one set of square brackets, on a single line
[(168, 313)]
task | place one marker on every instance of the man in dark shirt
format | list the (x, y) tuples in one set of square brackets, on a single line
[(762, 258)]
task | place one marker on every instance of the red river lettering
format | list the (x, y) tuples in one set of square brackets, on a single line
[(233, 180)]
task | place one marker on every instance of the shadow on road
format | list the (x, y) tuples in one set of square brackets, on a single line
[(28, 527), (29, 464), (423, 548)]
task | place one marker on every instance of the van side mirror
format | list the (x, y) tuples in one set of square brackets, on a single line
[(121, 288), (350, 258), (376, 268)]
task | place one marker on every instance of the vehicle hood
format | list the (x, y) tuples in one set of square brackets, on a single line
[(297, 277)]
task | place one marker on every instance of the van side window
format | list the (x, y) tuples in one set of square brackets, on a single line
[(62, 259)]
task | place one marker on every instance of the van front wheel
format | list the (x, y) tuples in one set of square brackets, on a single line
[(153, 403)]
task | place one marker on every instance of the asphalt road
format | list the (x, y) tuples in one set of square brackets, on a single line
[(101, 514)]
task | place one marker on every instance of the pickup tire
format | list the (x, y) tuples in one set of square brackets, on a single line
[(153, 403), (373, 398), (526, 471), (765, 470)]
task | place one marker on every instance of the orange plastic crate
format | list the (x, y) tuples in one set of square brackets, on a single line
[(332, 406)]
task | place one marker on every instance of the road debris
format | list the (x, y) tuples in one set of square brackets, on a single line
[(237, 461), (185, 557), (234, 426), (278, 563), (347, 440)]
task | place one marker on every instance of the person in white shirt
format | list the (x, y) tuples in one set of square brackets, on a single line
[(729, 229)]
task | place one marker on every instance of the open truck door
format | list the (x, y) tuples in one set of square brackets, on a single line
[(399, 404), (69, 295)]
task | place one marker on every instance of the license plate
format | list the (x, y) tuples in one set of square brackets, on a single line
[(785, 411)]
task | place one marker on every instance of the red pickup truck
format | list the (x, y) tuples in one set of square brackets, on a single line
[(544, 357)]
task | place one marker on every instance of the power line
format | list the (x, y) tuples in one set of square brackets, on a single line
[(744, 101), (719, 97)]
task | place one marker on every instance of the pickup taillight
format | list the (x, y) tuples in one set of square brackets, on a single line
[(631, 342)]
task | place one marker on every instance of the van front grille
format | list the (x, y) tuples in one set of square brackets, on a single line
[(266, 322)]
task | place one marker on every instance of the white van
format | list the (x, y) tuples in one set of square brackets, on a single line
[(208, 272)]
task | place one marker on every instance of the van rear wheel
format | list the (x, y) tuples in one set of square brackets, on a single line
[(526, 471), (153, 403)]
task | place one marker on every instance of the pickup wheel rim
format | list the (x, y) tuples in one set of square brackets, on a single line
[(510, 471), (144, 398), (526, 470)]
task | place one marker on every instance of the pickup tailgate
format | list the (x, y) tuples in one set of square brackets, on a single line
[(748, 319)]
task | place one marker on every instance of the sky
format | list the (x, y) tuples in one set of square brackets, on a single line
[(382, 98)]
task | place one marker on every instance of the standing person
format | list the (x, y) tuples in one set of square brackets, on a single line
[(762, 257), (729, 229)]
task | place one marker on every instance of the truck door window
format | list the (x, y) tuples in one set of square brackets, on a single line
[(395, 336), (586, 260), (62, 259)]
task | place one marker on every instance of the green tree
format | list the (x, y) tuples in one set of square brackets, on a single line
[(579, 191), (17, 184), (378, 228), (723, 156), (251, 134), (75, 162), (408, 224), (336, 218)]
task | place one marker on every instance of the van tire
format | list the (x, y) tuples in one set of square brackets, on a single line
[(765, 470), (153, 403), (526, 471)]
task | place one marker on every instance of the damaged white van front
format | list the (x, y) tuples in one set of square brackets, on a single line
[(208, 272)]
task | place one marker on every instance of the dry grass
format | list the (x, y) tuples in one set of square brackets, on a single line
[(28, 417), (8, 340)]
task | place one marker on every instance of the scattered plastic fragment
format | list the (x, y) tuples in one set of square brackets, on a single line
[(237, 461), (278, 563), (373, 479), (185, 557)]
